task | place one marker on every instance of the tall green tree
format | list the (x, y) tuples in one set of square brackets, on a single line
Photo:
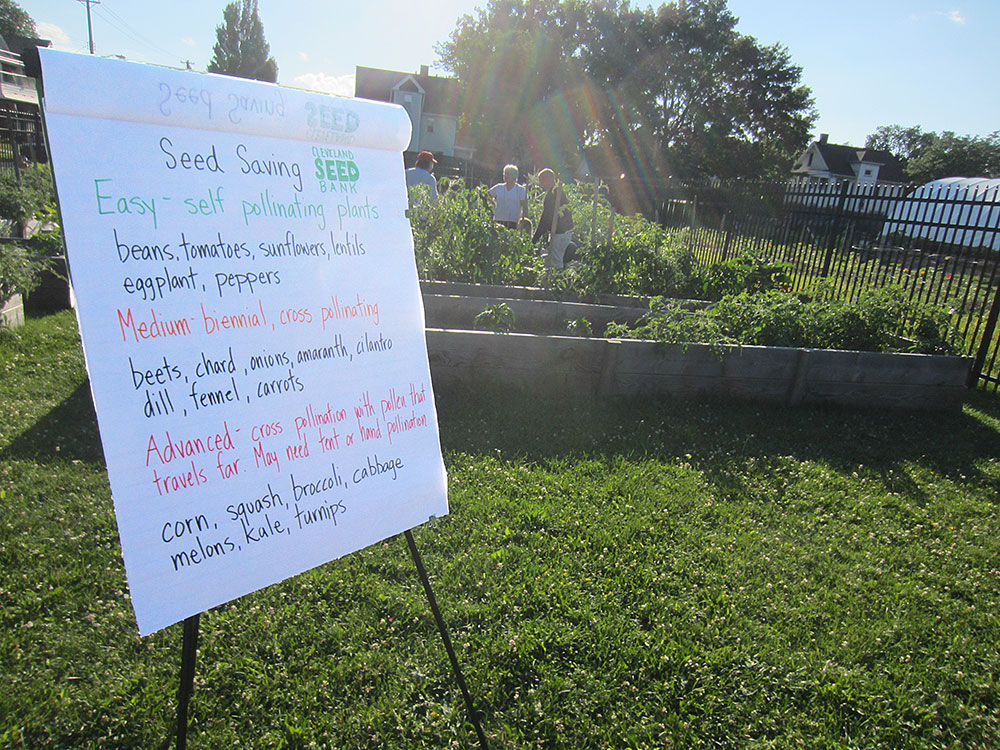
[(951, 155), (240, 48), (676, 90), (899, 141), (518, 65), (15, 20), (719, 102)]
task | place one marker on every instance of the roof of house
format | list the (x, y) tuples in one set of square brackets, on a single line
[(18, 44), (839, 159), (441, 94)]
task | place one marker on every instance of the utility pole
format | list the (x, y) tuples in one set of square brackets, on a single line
[(90, 27)]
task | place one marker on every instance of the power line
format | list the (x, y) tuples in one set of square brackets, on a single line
[(124, 27), (116, 21)]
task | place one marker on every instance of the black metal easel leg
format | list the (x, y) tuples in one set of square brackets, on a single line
[(446, 638), (189, 651)]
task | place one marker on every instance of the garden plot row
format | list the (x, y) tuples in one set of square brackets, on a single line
[(573, 366)]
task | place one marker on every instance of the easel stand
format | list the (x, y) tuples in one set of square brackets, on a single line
[(189, 651), (443, 630)]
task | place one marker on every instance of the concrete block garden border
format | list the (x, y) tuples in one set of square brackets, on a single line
[(567, 366), (544, 359), (12, 313)]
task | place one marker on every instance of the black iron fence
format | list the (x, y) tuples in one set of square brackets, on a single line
[(21, 139), (939, 243)]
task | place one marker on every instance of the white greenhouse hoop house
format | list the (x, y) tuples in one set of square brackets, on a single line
[(960, 211)]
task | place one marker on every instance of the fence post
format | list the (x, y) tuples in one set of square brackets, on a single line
[(593, 215), (976, 371), (693, 222), (838, 217), (728, 231)]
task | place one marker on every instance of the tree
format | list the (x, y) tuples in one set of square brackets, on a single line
[(15, 21), (240, 49), (899, 141), (950, 155), (711, 93), (931, 156), (675, 90), (517, 62)]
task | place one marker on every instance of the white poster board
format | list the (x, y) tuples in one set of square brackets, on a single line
[(251, 320)]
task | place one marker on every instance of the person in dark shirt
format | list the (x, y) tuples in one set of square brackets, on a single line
[(558, 231)]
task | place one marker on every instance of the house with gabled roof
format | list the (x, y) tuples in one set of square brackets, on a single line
[(432, 102), (834, 164), (20, 120)]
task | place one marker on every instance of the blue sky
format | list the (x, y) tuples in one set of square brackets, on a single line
[(868, 63)]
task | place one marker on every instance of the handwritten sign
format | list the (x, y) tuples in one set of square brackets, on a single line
[(251, 320)]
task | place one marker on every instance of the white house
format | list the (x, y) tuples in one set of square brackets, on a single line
[(825, 163), (432, 103)]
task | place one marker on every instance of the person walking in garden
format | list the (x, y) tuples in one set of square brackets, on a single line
[(420, 174), (556, 222), (510, 200)]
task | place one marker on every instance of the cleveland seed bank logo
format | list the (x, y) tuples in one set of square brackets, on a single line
[(335, 170)]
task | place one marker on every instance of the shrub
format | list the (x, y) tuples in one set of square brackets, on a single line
[(497, 318), (745, 273), (879, 320), (19, 271), (642, 259), (48, 243), (456, 239), (31, 197), (580, 327)]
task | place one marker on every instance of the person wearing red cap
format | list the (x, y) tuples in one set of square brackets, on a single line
[(421, 173)]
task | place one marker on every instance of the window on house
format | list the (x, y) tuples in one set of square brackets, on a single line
[(810, 160), (430, 126), (868, 173)]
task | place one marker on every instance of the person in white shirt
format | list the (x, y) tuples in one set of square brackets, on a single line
[(510, 200)]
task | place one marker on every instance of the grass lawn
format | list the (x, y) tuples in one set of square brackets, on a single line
[(615, 574)]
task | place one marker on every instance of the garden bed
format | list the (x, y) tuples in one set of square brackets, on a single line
[(533, 310), (574, 367), (530, 316), (456, 288)]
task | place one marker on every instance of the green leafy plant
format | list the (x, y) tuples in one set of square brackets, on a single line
[(48, 243), (580, 327), (19, 271), (456, 239), (498, 318), (879, 320), (644, 261), (746, 273), (30, 197)]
